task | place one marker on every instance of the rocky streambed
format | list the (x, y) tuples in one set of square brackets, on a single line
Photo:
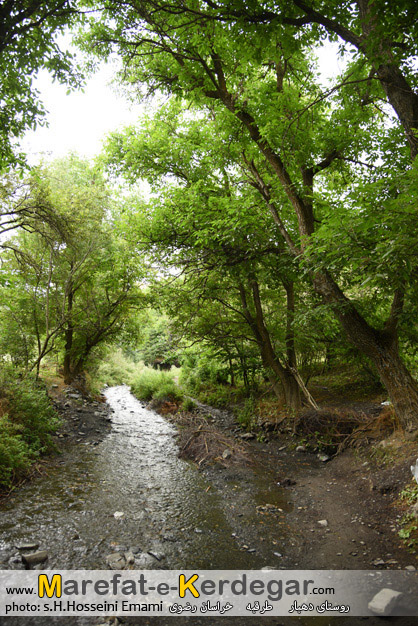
[(121, 498), (129, 500)]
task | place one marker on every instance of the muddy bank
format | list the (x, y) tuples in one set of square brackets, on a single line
[(337, 514)]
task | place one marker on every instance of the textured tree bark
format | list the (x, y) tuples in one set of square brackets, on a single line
[(403, 100), (380, 346), (276, 372), (69, 335)]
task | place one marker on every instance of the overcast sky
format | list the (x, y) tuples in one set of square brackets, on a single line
[(79, 121)]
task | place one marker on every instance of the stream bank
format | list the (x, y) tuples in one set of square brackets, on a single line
[(123, 498)]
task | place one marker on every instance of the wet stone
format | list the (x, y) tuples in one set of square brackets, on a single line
[(35, 557), (30, 545), (157, 555), (116, 561), (129, 557)]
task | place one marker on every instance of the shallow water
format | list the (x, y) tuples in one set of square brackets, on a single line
[(134, 470)]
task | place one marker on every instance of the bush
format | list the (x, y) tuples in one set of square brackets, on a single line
[(188, 404), (114, 368), (245, 414), (15, 454), (26, 424), (152, 384)]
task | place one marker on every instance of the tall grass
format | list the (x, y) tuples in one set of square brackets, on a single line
[(150, 384)]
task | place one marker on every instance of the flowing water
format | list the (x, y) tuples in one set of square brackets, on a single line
[(167, 508)]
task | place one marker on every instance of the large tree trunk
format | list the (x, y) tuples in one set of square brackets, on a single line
[(403, 100), (289, 387), (380, 346), (400, 385), (69, 335)]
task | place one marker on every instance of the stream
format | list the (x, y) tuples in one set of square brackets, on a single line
[(168, 507), (168, 514)]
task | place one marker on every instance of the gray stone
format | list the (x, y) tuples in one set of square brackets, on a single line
[(384, 601), (129, 557), (377, 562), (410, 568), (226, 454), (29, 545), (300, 449), (414, 510), (116, 561), (75, 396), (247, 436), (144, 561), (35, 557), (157, 555), (323, 523)]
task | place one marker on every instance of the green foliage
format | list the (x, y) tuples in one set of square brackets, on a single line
[(245, 414), (15, 454), (26, 425), (157, 347), (199, 369), (71, 281), (113, 367), (28, 43), (152, 384), (189, 404)]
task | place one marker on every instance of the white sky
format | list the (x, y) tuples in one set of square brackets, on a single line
[(79, 121)]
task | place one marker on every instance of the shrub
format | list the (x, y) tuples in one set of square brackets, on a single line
[(114, 368), (28, 408), (245, 414), (26, 424), (188, 404), (15, 454), (152, 384)]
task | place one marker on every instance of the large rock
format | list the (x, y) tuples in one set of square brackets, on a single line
[(35, 557), (384, 601), (116, 561)]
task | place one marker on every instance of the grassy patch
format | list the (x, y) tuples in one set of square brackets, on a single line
[(409, 522), (150, 384)]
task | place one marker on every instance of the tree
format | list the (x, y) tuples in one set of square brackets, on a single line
[(206, 224), (263, 80), (28, 30), (78, 286)]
